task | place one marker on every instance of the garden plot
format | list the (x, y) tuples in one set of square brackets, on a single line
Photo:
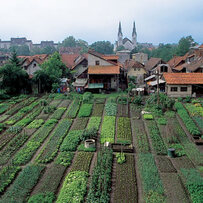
[(65, 103), (123, 131), (80, 123), (82, 161), (98, 109), (164, 164), (141, 139), (182, 162), (73, 109), (125, 183), (174, 189), (50, 181), (122, 110)]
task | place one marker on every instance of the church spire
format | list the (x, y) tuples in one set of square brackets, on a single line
[(119, 29), (134, 29)]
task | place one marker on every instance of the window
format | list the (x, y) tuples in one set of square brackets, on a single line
[(183, 89), (34, 65), (174, 89), (97, 63)]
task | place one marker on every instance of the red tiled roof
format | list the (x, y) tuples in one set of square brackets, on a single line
[(152, 63), (176, 60), (69, 59), (40, 58), (110, 57), (103, 70), (133, 64), (183, 78)]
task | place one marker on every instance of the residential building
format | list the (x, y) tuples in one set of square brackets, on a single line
[(183, 84), (103, 73), (135, 69), (123, 56), (32, 63), (152, 64), (140, 57)]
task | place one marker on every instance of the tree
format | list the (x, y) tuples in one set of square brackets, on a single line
[(52, 70), (103, 47), (184, 45), (13, 78), (83, 44), (22, 50), (69, 42)]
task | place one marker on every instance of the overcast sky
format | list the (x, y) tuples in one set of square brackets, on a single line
[(157, 21)]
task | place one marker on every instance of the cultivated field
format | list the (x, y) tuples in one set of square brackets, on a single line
[(43, 157)]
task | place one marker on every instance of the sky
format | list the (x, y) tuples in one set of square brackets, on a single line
[(157, 21)]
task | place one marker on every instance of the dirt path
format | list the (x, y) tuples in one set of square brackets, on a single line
[(138, 179)]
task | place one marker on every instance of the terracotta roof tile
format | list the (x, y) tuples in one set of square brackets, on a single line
[(69, 59), (103, 70), (110, 57), (183, 78), (152, 63)]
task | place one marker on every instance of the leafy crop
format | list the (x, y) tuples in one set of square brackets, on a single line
[(94, 122), (48, 197), (36, 123), (110, 107), (148, 117), (85, 110), (65, 158), (73, 109), (74, 187), (108, 129)]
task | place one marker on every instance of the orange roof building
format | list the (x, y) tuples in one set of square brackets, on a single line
[(183, 84), (104, 70)]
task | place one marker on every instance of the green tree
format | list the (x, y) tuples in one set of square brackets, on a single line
[(14, 79), (184, 45), (83, 44), (22, 50), (69, 42), (103, 47), (52, 70)]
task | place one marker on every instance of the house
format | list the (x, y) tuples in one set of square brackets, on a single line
[(135, 69), (140, 57), (183, 84), (103, 73), (32, 63), (151, 65)]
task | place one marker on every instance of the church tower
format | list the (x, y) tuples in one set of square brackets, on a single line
[(120, 35), (134, 36)]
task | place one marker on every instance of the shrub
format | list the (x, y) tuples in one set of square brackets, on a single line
[(87, 97), (122, 100), (179, 149)]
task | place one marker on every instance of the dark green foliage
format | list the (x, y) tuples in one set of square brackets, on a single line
[(162, 121), (194, 184), (125, 187), (48, 197), (88, 98), (103, 47), (100, 185), (82, 161), (157, 141), (189, 123), (65, 158), (97, 110), (152, 184), (80, 123), (179, 149), (50, 150), (7, 174), (23, 184), (82, 147), (85, 110), (71, 141), (73, 109)]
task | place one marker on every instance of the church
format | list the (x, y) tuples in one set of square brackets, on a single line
[(126, 43)]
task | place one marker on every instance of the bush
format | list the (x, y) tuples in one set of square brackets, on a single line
[(87, 98), (137, 100)]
